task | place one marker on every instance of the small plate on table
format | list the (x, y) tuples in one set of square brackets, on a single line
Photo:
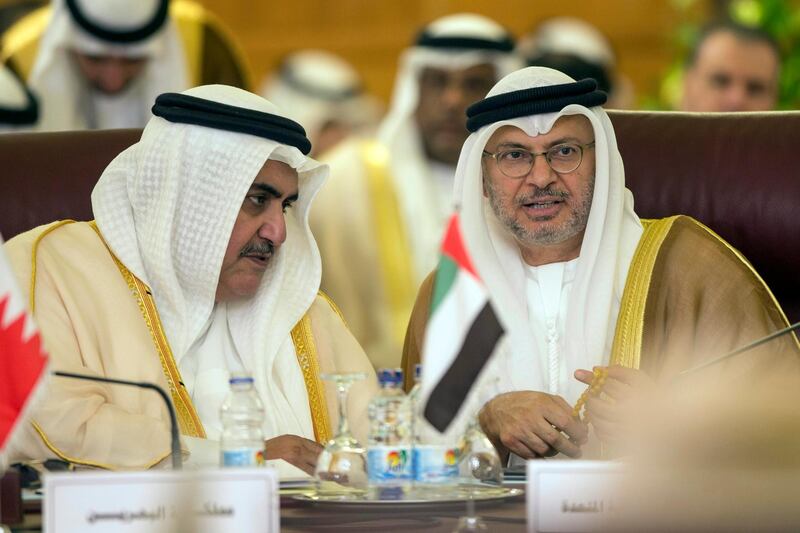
[(362, 502)]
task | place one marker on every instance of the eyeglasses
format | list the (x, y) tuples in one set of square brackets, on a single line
[(517, 162)]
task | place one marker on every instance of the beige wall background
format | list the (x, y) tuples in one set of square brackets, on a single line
[(371, 34)]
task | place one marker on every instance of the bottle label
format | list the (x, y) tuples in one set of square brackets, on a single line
[(435, 464), (388, 465), (243, 457)]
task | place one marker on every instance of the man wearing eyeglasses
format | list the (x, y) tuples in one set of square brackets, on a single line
[(554, 194), (578, 281)]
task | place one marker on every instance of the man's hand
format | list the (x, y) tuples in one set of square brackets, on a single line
[(300, 452), (626, 392), (532, 424)]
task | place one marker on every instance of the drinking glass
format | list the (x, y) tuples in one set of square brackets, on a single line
[(341, 471), (480, 470)]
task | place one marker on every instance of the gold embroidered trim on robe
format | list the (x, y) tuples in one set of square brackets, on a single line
[(188, 420), (333, 305), (84, 462), (42, 235), (627, 348), (394, 252), (21, 41), (306, 351), (193, 20), (188, 18), (47, 442)]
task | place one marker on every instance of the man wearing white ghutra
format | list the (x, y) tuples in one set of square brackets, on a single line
[(200, 263), (578, 281)]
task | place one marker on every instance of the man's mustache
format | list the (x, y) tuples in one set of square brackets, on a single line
[(264, 249), (547, 192)]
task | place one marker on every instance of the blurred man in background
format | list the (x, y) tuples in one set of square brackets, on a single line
[(325, 94), (380, 219), (579, 50), (97, 65), (732, 68)]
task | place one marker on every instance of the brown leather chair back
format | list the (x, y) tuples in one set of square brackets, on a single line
[(736, 173), (50, 176)]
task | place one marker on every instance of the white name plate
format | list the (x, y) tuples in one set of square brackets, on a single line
[(571, 496), (163, 500)]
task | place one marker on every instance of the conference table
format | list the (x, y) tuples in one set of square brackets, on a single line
[(505, 515)]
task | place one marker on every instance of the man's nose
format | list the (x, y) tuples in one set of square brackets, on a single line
[(114, 76), (540, 173), (454, 96), (273, 226), (736, 98)]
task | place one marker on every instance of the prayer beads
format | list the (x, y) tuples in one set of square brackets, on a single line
[(599, 379)]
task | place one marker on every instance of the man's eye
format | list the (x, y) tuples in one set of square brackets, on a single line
[(287, 206), (756, 88), (720, 81), (513, 155), (434, 80), (258, 200), (478, 86), (564, 150)]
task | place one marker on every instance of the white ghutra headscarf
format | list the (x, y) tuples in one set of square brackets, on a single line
[(317, 87), (167, 206), (423, 210), (612, 234), (67, 100)]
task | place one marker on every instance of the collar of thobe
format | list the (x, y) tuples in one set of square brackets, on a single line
[(549, 280)]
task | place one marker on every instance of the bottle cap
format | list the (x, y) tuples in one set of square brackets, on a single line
[(238, 378), (385, 375)]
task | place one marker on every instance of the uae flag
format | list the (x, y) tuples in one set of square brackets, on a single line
[(22, 361), (461, 333)]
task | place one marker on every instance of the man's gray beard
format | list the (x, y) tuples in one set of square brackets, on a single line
[(545, 234)]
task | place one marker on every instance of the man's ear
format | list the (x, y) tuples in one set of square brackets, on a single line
[(483, 180)]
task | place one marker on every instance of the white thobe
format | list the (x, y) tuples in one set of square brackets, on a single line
[(547, 290)]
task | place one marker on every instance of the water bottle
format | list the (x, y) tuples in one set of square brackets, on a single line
[(242, 416), (389, 442), (435, 455)]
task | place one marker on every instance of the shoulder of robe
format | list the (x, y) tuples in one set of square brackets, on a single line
[(196, 24), (327, 303), (425, 293), (690, 242), (693, 256), (355, 152), (55, 236), (20, 43)]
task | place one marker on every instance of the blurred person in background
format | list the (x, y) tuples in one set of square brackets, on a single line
[(381, 217), (732, 68), (325, 94), (98, 65), (579, 50)]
